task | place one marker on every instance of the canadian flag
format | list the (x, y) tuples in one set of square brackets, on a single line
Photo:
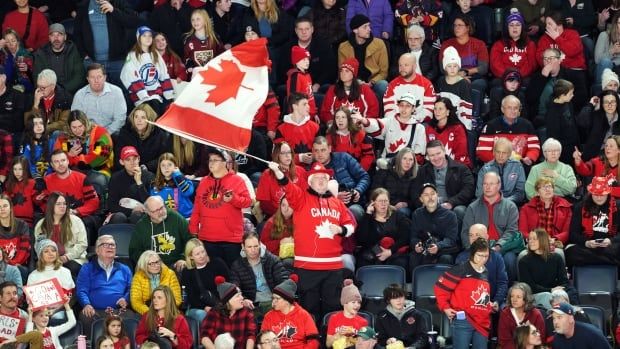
[(218, 105)]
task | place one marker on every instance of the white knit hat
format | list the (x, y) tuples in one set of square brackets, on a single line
[(607, 77), (451, 55)]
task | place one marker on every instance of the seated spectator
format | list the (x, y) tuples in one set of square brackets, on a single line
[(12, 104), (350, 93), (14, 235), (435, 233), (479, 12), (154, 88), (201, 43), (454, 294), (560, 118), (425, 14), (422, 49), (456, 88), (230, 315), (174, 63), (403, 130), (257, 271), (133, 182), (502, 215), (607, 49), (398, 179), (278, 231), (605, 165), (22, 189), (329, 22), (409, 82), (27, 20), (515, 50), (383, 233), (521, 309), (344, 136), (598, 120), (162, 230), (37, 147), (164, 319), (103, 283), (114, 328), (569, 332), (61, 56), (152, 273), (66, 230), (543, 269), (39, 321), (88, 146), (298, 129), (511, 85), (496, 270), (17, 62), (566, 40), (519, 131), (172, 186), (548, 211), (512, 172), (474, 58), (199, 279), (400, 321), (192, 157), (592, 230), (559, 296), (50, 101), (268, 192), (610, 81), (101, 101), (559, 173), (49, 266), (527, 336), (344, 325), (139, 132), (447, 128), (285, 308), (374, 64)]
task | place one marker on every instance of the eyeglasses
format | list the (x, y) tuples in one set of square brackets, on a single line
[(535, 332), (382, 201), (154, 263), (548, 59), (271, 341), (108, 244)]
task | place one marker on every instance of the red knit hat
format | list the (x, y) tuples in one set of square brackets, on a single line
[(298, 53), (352, 65)]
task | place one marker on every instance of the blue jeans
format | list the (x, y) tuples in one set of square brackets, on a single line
[(510, 261), (195, 313), (602, 65), (463, 333)]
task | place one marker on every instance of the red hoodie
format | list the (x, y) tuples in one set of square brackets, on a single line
[(367, 103), (296, 329), (269, 192), (569, 42), (502, 58)]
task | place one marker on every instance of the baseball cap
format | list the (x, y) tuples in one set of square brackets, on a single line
[(409, 98), (429, 185), (563, 309), (366, 333), (128, 151)]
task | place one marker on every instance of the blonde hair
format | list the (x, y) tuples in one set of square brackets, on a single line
[(210, 33), (270, 14), (151, 116), (143, 261), (189, 247)]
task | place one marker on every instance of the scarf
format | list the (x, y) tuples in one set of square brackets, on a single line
[(545, 217), (587, 221)]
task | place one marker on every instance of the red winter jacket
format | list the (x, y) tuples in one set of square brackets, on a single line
[(268, 115), (562, 214), (454, 139), (299, 136), (269, 192), (367, 103), (569, 42), (360, 148), (272, 245), (596, 168), (180, 327), (502, 58)]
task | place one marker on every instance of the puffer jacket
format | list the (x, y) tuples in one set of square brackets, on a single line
[(348, 172), (141, 292), (242, 275)]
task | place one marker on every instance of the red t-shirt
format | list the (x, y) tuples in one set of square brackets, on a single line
[(338, 321)]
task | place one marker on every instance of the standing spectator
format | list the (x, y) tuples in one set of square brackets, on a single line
[(201, 44), (61, 56), (380, 14), (583, 18), (217, 218), (521, 309), (299, 80), (51, 101), (172, 186), (465, 288), (30, 24), (154, 88), (219, 12), (173, 19), (412, 83), (515, 49), (446, 128), (533, 12), (12, 106), (560, 119), (560, 174), (329, 21), (101, 101)]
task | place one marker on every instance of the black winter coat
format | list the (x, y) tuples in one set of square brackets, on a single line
[(242, 275), (370, 232), (594, 124), (400, 188), (149, 148), (460, 185), (411, 328), (173, 23)]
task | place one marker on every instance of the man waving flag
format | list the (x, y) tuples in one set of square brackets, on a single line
[(218, 105)]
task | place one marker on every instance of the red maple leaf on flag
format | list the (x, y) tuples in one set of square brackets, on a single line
[(226, 81)]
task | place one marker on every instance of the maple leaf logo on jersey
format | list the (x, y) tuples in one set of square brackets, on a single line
[(227, 81), (515, 58), (394, 147), (323, 230), (481, 296), (18, 199)]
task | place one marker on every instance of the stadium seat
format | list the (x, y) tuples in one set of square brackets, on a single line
[(424, 278), (596, 285), (100, 183), (375, 278), (122, 235), (68, 338), (597, 316), (129, 324)]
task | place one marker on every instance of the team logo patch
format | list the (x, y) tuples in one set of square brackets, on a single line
[(149, 74)]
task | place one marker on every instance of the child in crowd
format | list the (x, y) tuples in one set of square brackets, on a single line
[(456, 88), (297, 128), (114, 329), (176, 68), (172, 186), (343, 135), (20, 187), (37, 147), (343, 326), (201, 43), (511, 85), (560, 119), (38, 321), (299, 79)]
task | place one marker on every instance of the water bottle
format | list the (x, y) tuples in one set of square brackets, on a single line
[(184, 296), (499, 21), (81, 342), (432, 340)]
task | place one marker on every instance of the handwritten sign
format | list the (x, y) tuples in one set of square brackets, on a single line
[(45, 294), (9, 326)]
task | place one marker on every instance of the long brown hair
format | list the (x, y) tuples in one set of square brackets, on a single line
[(137, 49), (608, 167), (183, 152), (11, 181), (12, 215), (543, 242), (522, 333), (280, 225), (271, 12), (332, 131), (80, 116), (151, 115), (275, 156), (170, 310), (47, 226), (160, 181)]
